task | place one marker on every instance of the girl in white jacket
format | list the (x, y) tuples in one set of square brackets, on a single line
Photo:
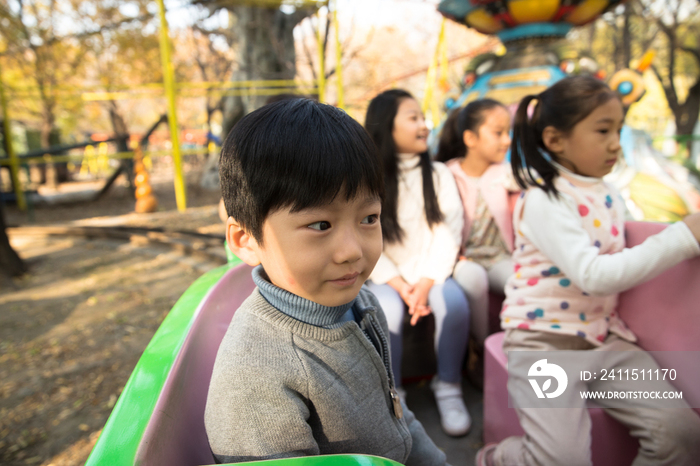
[(422, 221)]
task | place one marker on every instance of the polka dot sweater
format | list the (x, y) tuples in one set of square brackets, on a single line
[(571, 262)]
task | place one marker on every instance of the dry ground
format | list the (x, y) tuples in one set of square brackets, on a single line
[(73, 328)]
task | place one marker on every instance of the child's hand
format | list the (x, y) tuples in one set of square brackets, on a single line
[(693, 222), (403, 288), (418, 304), (418, 313)]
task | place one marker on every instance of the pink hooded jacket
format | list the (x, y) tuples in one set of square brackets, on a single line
[(499, 200)]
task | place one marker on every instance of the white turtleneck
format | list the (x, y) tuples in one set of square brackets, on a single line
[(423, 252)]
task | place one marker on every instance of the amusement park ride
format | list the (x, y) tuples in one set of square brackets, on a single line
[(537, 56), (158, 418)]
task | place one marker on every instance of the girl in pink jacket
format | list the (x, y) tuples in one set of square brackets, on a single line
[(473, 144)]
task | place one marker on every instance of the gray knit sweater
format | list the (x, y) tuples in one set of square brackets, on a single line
[(283, 387)]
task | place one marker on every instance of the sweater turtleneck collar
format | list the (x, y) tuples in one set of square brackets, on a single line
[(408, 161), (580, 178), (297, 307)]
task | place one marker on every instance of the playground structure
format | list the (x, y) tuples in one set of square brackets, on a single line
[(536, 57), (171, 91), (145, 199)]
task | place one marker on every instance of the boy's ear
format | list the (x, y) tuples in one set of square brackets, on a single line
[(553, 139), (241, 243), (469, 137)]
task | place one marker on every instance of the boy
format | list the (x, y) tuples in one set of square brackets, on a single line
[(304, 367)]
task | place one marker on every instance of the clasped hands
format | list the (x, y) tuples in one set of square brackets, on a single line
[(415, 296)]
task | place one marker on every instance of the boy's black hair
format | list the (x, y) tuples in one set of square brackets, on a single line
[(379, 122), (471, 117), (294, 154), (562, 106)]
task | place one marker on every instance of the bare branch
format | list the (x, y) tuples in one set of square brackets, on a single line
[(101, 29), (307, 52), (694, 52), (669, 90), (328, 30), (646, 44)]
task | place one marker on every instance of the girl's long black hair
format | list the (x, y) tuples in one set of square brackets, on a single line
[(561, 106), (471, 117), (379, 123)]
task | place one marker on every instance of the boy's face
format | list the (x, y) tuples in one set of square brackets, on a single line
[(323, 254)]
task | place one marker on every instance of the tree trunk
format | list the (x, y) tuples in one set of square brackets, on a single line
[(48, 174), (10, 262), (686, 115), (265, 51), (121, 132), (627, 38), (55, 172)]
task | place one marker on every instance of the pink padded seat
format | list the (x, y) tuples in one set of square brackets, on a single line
[(677, 291), (178, 418)]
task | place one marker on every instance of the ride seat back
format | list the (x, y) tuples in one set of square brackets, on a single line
[(662, 312), (175, 434)]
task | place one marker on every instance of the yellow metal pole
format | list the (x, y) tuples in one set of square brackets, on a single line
[(14, 163), (169, 83), (321, 61), (338, 58), (432, 70), (442, 80), (444, 62)]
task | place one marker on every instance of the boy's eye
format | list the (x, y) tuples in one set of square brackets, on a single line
[(603, 131), (370, 219), (320, 226)]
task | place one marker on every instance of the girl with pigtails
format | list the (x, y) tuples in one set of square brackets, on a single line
[(571, 262)]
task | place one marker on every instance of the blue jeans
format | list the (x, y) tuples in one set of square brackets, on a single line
[(451, 311)]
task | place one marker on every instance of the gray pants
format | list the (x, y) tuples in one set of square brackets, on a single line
[(561, 436), (476, 281)]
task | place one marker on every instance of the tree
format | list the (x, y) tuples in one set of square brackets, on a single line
[(43, 59), (10, 262), (265, 47), (119, 59), (681, 40), (214, 58), (50, 55), (672, 29)]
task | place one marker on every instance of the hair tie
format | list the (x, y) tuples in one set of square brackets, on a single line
[(532, 110)]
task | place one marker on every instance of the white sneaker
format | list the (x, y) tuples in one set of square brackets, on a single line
[(454, 416)]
